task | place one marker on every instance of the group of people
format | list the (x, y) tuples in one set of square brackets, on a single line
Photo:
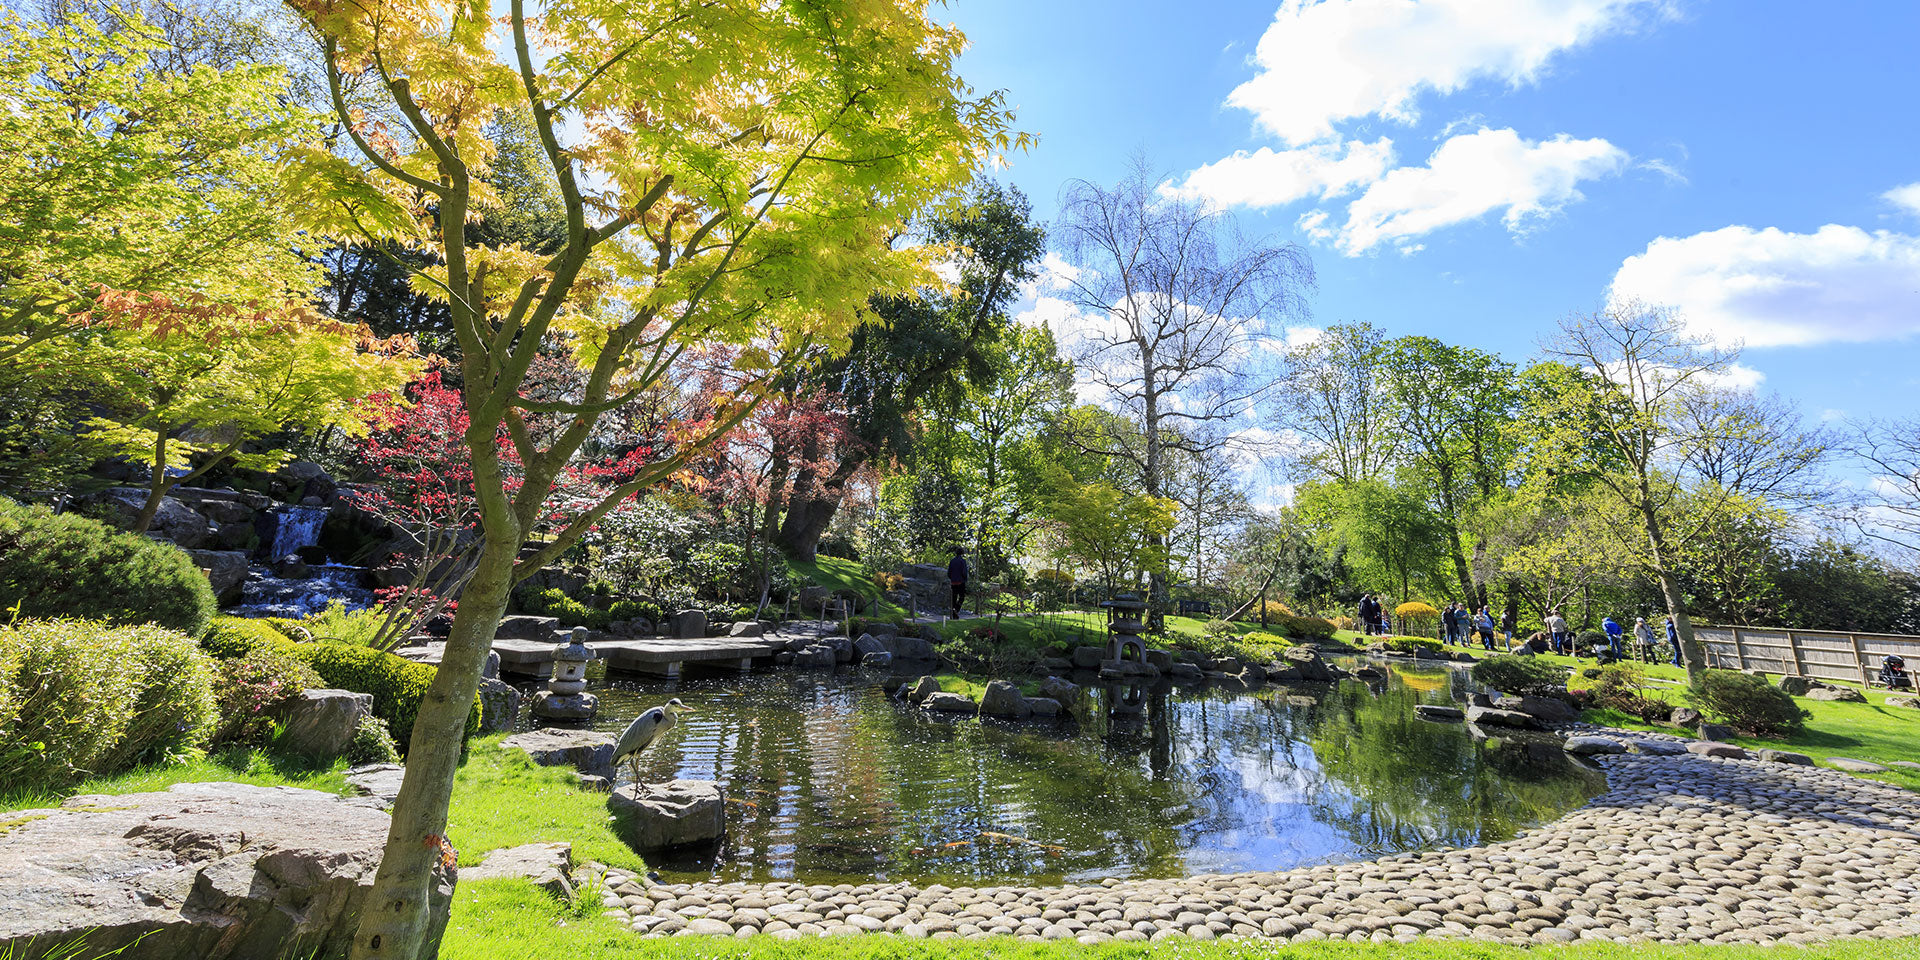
[(1461, 625), (1560, 638), (1372, 614)]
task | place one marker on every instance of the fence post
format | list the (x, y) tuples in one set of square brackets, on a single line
[(1793, 646), (1739, 649), (1865, 681)]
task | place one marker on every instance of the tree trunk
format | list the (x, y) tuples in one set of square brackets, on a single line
[(810, 512), (1690, 652), (395, 921), (156, 487)]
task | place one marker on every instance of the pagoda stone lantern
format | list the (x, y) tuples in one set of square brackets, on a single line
[(1124, 627), (565, 697)]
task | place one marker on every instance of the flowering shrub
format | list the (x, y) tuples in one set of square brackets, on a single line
[(250, 687)]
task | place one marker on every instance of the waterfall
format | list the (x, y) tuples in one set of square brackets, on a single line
[(266, 595), (293, 528)]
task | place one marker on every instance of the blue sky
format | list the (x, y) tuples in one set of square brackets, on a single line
[(1475, 169)]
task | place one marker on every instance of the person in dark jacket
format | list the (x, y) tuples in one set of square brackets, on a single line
[(957, 573), (1673, 640)]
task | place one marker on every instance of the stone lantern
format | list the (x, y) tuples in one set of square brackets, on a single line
[(565, 697), (1124, 628)]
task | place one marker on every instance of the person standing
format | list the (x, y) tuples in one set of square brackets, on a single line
[(1366, 613), (1486, 628), (1615, 634), (1557, 631), (1447, 622), (957, 573), (1643, 636), (1673, 640), (1509, 622)]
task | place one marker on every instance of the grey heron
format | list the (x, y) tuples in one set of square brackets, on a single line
[(644, 729)]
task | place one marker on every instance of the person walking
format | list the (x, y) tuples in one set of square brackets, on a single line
[(1486, 628), (1557, 631), (1673, 640), (1643, 637), (1367, 615), (957, 573), (1509, 622)]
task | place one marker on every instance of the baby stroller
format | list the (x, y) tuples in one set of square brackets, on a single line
[(1894, 675)]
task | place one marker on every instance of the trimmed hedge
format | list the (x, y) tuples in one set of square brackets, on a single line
[(1749, 703), (65, 565), (397, 684), (1404, 644), (1311, 628), (83, 698)]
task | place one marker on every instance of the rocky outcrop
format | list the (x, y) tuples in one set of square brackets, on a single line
[(546, 865), (1306, 660), (588, 752), (226, 571), (678, 813), (921, 689), (213, 871), (1494, 716), (320, 723), (868, 643), (1003, 699), (1837, 695), (499, 705), (815, 656)]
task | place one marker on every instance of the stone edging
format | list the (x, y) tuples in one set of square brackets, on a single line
[(1680, 849)]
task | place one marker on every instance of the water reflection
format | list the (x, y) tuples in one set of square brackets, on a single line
[(830, 781)]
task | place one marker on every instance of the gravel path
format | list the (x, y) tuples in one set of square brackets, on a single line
[(1679, 849)]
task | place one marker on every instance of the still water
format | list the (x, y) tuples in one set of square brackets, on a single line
[(830, 781)]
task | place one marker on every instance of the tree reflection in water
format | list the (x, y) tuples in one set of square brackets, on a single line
[(829, 781)]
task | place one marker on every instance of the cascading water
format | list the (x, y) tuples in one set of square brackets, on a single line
[(265, 594), (291, 529)]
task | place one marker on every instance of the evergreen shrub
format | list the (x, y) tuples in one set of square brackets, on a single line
[(1749, 703), (64, 565)]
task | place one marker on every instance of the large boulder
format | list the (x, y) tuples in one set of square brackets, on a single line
[(677, 813), (1060, 690), (747, 628), (1589, 746), (868, 643), (1837, 695), (1545, 709), (1494, 716), (879, 660), (525, 627), (843, 651), (1796, 686), (320, 723), (1283, 673), (922, 689), (302, 479), (213, 871), (1088, 658), (1003, 699), (942, 702), (815, 656), (1438, 712), (909, 648), (548, 866), (588, 752), (1044, 706), (1307, 661), (686, 625), (226, 571)]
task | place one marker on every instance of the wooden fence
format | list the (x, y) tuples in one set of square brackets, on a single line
[(1821, 654)]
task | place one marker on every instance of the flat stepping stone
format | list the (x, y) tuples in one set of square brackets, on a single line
[(1851, 765), (546, 865), (1709, 748), (1588, 746), (1659, 748), (1434, 711), (378, 780), (1785, 756), (1909, 764)]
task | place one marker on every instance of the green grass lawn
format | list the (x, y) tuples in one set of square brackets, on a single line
[(237, 765), (511, 920), (1862, 731), (836, 573), (1090, 627)]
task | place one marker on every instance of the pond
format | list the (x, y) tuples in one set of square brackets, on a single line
[(830, 781)]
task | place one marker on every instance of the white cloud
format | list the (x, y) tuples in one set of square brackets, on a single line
[(1771, 288), (1906, 198), (1471, 175), (1323, 62), (1272, 178)]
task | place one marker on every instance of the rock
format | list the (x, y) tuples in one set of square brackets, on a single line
[(1837, 695), (1851, 765), (212, 871), (944, 702), (1659, 748), (842, 648), (380, 781), (659, 816), (1060, 690), (1183, 672), (1479, 700), (687, 625), (815, 656), (1160, 659), (583, 750), (320, 723), (922, 689), (1797, 686), (592, 783), (1494, 716), (1434, 711), (909, 648), (868, 643), (878, 659), (304, 479), (1545, 709), (547, 865), (1003, 699), (747, 628), (1708, 748), (1043, 706), (1785, 756), (1088, 658), (1282, 673), (524, 627), (811, 598), (179, 523), (226, 571), (499, 705), (549, 705), (1684, 717), (1718, 732), (1367, 671), (1903, 701), (1589, 746), (1307, 661)]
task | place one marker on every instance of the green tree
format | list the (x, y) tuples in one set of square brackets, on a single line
[(999, 426), (1122, 535), (733, 174), (1391, 537)]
